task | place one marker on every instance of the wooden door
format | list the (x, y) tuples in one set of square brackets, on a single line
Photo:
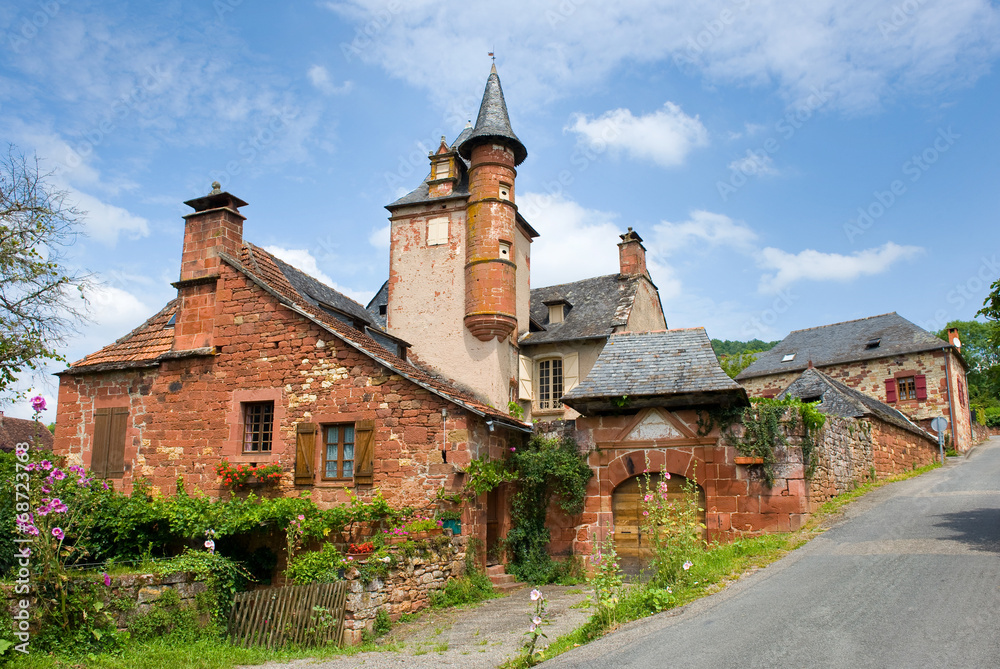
[(493, 526), (634, 551)]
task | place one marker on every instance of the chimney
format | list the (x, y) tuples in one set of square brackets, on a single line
[(215, 228), (632, 255), (953, 338)]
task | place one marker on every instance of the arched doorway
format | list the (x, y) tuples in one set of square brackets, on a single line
[(633, 549)]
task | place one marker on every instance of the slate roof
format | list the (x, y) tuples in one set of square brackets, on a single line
[(845, 342), (664, 368), (378, 304), (15, 431), (315, 292), (422, 192), (597, 306), (493, 122), (839, 399), (150, 343)]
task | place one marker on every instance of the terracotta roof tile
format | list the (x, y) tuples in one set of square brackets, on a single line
[(20, 430), (141, 347)]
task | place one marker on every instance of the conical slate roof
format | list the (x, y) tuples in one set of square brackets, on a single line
[(493, 122)]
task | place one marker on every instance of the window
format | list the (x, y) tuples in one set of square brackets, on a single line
[(437, 231), (788, 357), (550, 384), (258, 426), (505, 250), (504, 191), (873, 343), (338, 451), (107, 456), (441, 169), (906, 389)]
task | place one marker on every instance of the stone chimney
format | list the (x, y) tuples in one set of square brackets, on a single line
[(632, 255), (953, 338), (215, 228)]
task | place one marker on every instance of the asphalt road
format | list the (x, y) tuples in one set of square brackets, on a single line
[(910, 578)]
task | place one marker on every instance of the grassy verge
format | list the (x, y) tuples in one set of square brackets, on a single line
[(719, 566), (203, 654)]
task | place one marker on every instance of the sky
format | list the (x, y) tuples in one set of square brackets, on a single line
[(788, 164)]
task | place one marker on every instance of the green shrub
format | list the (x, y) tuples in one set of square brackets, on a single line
[(322, 566), (464, 590), (383, 624), (167, 618)]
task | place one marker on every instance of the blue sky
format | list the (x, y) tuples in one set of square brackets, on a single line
[(788, 164)]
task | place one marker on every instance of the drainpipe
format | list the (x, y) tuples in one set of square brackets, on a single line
[(951, 404)]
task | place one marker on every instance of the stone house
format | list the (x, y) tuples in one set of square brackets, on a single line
[(885, 357)]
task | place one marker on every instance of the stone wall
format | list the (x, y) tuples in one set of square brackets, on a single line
[(406, 589), (853, 451)]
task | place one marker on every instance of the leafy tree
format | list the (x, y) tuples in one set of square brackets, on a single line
[(735, 363), (735, 356), (40, 297)]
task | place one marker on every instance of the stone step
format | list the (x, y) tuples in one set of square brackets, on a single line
[(496, 570), (508, 587), (501, 579)]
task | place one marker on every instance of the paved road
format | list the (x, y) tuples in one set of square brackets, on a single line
[(910, 578)]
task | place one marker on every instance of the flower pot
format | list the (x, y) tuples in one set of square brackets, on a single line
[(748, 460)]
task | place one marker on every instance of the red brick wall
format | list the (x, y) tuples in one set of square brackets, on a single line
[(184, 416)]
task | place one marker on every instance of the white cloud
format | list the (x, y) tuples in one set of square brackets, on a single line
[(303, 260), (319, 77), (754, 165), (703, 227), (814, 265), (380, 237), (114, 312), (665, 136), (570, 233), (105, 222), (551, 48)]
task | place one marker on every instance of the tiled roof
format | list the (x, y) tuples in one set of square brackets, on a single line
[(149, 343), (141, 347), (15, 431), (665, 368), (316, 292), (838, 399), (493, 123), (850, 341), (596, 307)]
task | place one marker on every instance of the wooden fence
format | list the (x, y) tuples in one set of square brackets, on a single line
[(308, 615)]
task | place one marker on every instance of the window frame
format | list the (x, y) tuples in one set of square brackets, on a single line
[(340, 443), (546, 397), (906, 388), (266, 431)]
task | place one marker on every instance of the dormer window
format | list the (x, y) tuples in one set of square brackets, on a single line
[(788, 357), (172, 321), (873, 343), (442, 169), (557, 310)]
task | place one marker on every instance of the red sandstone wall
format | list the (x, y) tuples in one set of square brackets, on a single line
[(184, 416)]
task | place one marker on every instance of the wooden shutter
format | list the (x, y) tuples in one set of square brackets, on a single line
[(116, 442), (920, 383), (99, 448), (364, 452), (524, 385), (571, 372), (305, 453), (890, 390)]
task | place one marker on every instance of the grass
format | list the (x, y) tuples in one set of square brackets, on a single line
[(711, 572), (163, 653), (467, 589)]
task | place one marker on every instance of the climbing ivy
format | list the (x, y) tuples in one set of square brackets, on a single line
[(545, 467)]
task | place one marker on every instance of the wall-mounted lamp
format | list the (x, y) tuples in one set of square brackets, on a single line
[(489, 425)]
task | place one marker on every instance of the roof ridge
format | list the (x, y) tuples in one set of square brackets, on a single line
[(855, 320), (589, 278)]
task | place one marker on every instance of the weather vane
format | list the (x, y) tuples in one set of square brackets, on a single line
[(491, 55)]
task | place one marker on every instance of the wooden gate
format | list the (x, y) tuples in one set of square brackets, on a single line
[(307, 615), (634, 551)]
